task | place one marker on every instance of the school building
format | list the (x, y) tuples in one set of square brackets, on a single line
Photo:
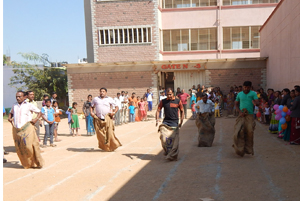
[(133, 45)]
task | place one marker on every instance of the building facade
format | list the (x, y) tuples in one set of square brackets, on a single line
[(280, 42), (137, 44)]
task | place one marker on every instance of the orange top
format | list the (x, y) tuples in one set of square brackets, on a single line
[(57, 118), (130, 99)]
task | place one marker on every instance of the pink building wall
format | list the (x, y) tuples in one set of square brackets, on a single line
[(280, 41)]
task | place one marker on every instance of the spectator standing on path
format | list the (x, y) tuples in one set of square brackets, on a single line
[(118, 114), (131, 109), (124, 106), (295, 122), (34, 115), (57, 114), (45, 97), (149, 96), (75, 121), (68, 112), (243, 138), (24, 134), (178, 91), (49, 118), (88, 118), (183, 97), (169, 129), (193, 109), (133, 99), (103, 122), (53, 98)]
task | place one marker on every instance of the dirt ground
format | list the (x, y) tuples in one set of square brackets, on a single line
[(77, 170)]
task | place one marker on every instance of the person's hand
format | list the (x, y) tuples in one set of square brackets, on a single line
[(86, 115), (51, 122), (92, 114), (34, 121), (10, 119), (241, 114), (111, 115)]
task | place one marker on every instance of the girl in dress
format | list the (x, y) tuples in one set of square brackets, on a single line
[(75, 120), (142, 110)]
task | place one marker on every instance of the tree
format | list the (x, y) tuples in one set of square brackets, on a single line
[(40, 79)]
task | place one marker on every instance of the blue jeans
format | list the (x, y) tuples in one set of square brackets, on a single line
[(132, 117), (194, 114), (49, 130), (149, 105)]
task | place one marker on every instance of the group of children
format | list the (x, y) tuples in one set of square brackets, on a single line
[(138, 110)]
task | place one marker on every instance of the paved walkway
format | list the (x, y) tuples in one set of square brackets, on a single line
[(77, 170)]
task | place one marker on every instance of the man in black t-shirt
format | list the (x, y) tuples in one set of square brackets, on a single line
[(169, 129)]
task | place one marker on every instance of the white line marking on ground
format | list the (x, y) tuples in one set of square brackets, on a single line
[(90, 196), (79, 171), (218, 192)]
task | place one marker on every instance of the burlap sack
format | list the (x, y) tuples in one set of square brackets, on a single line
[(169, 137), (243, 134), (105, 131), (27, 146), (206, 129)]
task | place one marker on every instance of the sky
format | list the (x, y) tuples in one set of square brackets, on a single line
[(54, 27)]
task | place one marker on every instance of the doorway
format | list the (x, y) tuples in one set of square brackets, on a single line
[(168, 80)]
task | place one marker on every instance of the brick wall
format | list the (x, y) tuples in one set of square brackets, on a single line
[(84, 84), (229, 77), (125, 13)]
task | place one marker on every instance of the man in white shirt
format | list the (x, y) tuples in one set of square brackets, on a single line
[(117, 115), (34, 115), (149, 96), (124, 106), (24, 134), (205, 122)]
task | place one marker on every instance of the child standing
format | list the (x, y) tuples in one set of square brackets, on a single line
[(142, 110), (57, 112), (256, 109), (267, 113), (137, 112), (75, 120), (146, 107), (217, 108), (193, 109), (68, 112), (48, 116), (131, 112)]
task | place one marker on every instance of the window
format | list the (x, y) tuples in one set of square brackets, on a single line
[(245, 2), (241, 37), (125, 35), (189, 39), (187, 3)]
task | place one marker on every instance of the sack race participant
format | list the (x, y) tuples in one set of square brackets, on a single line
[(103, 121), (24, 133), (245, 124), (169, 129), (205, 122)]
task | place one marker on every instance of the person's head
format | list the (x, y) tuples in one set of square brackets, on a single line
[(145, 98), (193, 87), (30, 95), (292, 94), (54, 104), (217, 101), (131, 103), (118, 95), (54, 95), (297, 91), (261, 90), (163, 93), (198, 86), (89, 98), (20, 96), (178, 89), (133, 95), (247, 86), (74, 105), (103, 92), (148, 90), (277, 94), (45, 96), (286, 91), (240, 88), (126, 93), (182, 91), (203, 87), (138, 98), (142, 99), (267, 104), (296, 86), (122, 93), (48, 102), (170, 94), (236, 89), (193, 101), (204, 98)]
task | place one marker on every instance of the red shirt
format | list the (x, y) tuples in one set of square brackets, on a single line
[(183, 97), (193, 107)]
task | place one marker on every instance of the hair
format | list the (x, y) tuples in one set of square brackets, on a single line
[(24, 94), (122, 92), (133, 93), (296, 86), (297, 89), (47, 100), (241, 86), (169, 89), (293, 91), (74, 103), (45, 95), (89, 95), (118, 94), (131, 103), (247, 84), (28, 92), (54, 93), (193, 101), (286, 90), (54, 102), (203, 95), (103, 89)]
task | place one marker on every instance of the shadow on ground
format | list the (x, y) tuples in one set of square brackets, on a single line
[(12, 164), (10, 149)]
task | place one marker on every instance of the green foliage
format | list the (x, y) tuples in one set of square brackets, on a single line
[(41, 80)]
